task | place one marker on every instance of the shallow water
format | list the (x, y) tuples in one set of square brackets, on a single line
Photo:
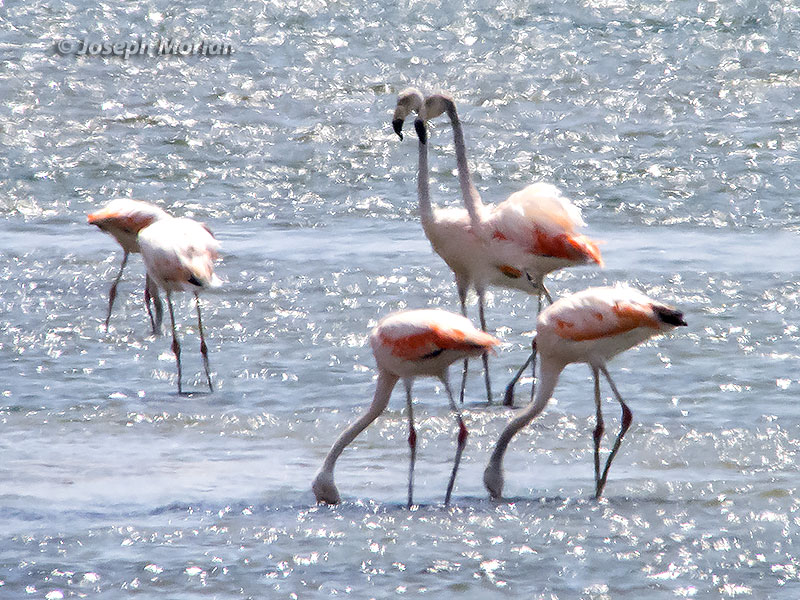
[(672, 125)]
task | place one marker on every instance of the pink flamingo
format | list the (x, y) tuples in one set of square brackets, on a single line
[(124, 218), (449, 230), (590, 327), (179, 255), (520, 240), (406, 345)]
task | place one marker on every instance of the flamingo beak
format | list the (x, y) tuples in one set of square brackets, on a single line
[(419, 126), (397, 125)]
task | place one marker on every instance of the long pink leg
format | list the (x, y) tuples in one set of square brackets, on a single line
[(597, 434), (508, 397), (462, 440), (627, 418), (462, 296), (203, 347), (176, 345), (151, 293), (485, 355), (112, 294), (412, 443)]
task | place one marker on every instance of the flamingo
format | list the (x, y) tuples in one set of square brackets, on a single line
[(124, 218), (591, 326), (179, 254), (529, 235), (449, 229), (406, 345)]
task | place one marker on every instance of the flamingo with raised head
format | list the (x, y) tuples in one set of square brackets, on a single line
[(448, 229), (591, 326), (409, 344), (124, 218), (532, 233), (179, 254)]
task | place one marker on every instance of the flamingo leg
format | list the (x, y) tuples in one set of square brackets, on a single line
[(627, 418), (147, 298), (462, 440), (412, 443), (176, 345), (485, 355), (462, 296), (546, 293), (533, 368), (597, 435), (508, 397), (112, 294), (203, 347), (151, 293)]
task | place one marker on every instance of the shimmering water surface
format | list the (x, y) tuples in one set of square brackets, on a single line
[(674, 126)]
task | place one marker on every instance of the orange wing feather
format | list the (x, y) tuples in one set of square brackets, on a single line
[(575, 247), (418, 345), (626, 317), (132, 222)]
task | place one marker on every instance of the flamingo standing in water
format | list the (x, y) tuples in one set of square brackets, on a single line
[(124, 218), (590, 327), (406, 345), (179, 255), (522, 239), (535, 227), (449, 230)]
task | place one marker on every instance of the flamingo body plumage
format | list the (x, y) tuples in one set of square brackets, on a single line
[(537, 227), (591, 326), (179, 254), (406, 345), (452, 237)]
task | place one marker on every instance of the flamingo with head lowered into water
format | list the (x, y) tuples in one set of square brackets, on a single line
[(591, 326), (406, 345), (124, 218)]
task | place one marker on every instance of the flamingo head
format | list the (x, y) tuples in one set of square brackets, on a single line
[(437, 104), (493, 481), (422, 131), (325, 489), (669, 316), (408, 101)]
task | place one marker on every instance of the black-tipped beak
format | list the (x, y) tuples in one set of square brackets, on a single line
[(397, 125), (422, 133), (670, 316)]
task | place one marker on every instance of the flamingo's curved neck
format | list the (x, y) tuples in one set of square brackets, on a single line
[(545, 385), (383, 390), (423, 187), (470, 195)]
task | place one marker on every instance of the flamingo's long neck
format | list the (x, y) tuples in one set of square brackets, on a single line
[(383, 390), (469, 194), (423, 187), (545, 385)]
